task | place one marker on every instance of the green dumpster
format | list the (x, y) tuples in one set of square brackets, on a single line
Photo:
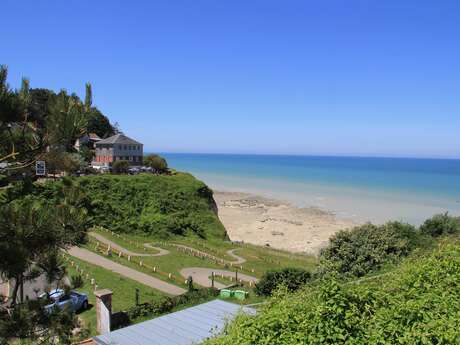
[(240, 294), (225, 293)]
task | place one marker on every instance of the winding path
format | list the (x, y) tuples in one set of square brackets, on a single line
[(201, 276), (238, 259), (155, 283), (116, 246)]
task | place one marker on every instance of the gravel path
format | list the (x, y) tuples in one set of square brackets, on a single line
[(102, 239), (201, 276), (155, 283)]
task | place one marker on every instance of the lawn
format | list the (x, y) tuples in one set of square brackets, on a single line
[(259, 259), (123, 290)]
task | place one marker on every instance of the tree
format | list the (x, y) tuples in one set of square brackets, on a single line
[(157, 163), (33, 230), (61, 161), (120, 167)]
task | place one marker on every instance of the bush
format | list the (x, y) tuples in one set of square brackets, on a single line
[(417, 303), (440, 224), (77, 281), (120, 167), (291, 278), (157, 163), (366, 248)]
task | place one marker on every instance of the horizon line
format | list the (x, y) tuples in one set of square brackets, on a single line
[(311, 155)]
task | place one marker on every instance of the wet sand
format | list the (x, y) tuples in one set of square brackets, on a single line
[(278, 224)]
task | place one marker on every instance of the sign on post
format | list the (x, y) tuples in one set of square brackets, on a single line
[(40, 168)]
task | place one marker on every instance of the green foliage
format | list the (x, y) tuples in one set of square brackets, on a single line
[(167, 304), (30, 321), (290, 277), (160, 205), (77, 281), (440, 224), (120, 167), (417, 303), (3, 180), (57, 161), (367, 247), (157, 163), (34, 120)]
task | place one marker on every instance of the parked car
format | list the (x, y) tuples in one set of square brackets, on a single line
[(59, 299)]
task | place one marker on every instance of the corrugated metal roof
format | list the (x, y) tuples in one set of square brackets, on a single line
[(189, 326)]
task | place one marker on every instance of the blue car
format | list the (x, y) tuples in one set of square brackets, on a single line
[(73, 300)]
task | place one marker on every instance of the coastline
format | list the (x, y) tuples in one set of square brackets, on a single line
[(279, 224)]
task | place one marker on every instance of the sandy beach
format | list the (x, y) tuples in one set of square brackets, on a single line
[(262, 221)]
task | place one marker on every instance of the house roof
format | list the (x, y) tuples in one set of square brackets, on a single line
[(94, 136), (189, 326), (118, 139)]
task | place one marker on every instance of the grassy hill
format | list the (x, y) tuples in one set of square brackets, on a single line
[(157, 205), (415, 302)]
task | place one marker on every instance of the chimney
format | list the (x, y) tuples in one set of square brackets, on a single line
[(103, 310)]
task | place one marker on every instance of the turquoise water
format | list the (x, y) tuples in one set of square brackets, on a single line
[(376, 189)]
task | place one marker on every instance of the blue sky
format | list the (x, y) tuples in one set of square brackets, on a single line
[(299, 77)]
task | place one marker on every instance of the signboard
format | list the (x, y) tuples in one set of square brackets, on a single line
[(40, 168)]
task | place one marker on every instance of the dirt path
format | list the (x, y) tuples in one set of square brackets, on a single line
[(112, 244), (238, 259), (201, 276), (155, 283), (161, 251)]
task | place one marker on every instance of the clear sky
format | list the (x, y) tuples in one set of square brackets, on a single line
[(342, 77)]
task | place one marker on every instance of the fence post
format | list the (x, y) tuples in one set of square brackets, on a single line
[(212, 279)]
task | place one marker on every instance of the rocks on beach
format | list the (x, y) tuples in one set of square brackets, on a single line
[(262, 221)]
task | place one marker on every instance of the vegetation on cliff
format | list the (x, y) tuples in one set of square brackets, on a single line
[(158, 205)]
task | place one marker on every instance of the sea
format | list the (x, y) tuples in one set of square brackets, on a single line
[(357, 188)]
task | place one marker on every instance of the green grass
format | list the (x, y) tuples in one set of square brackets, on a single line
[(123, 290), (134, 243), (259, 259)]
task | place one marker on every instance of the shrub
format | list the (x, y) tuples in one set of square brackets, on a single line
[(417, 303), (291, 278), (157, 163), (120, 167), (366, 248), (440, 224), (77, 281)]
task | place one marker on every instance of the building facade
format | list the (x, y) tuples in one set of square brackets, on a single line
[(118, 147)]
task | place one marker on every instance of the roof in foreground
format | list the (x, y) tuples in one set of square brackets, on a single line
[(189, 326), (118, 139)]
